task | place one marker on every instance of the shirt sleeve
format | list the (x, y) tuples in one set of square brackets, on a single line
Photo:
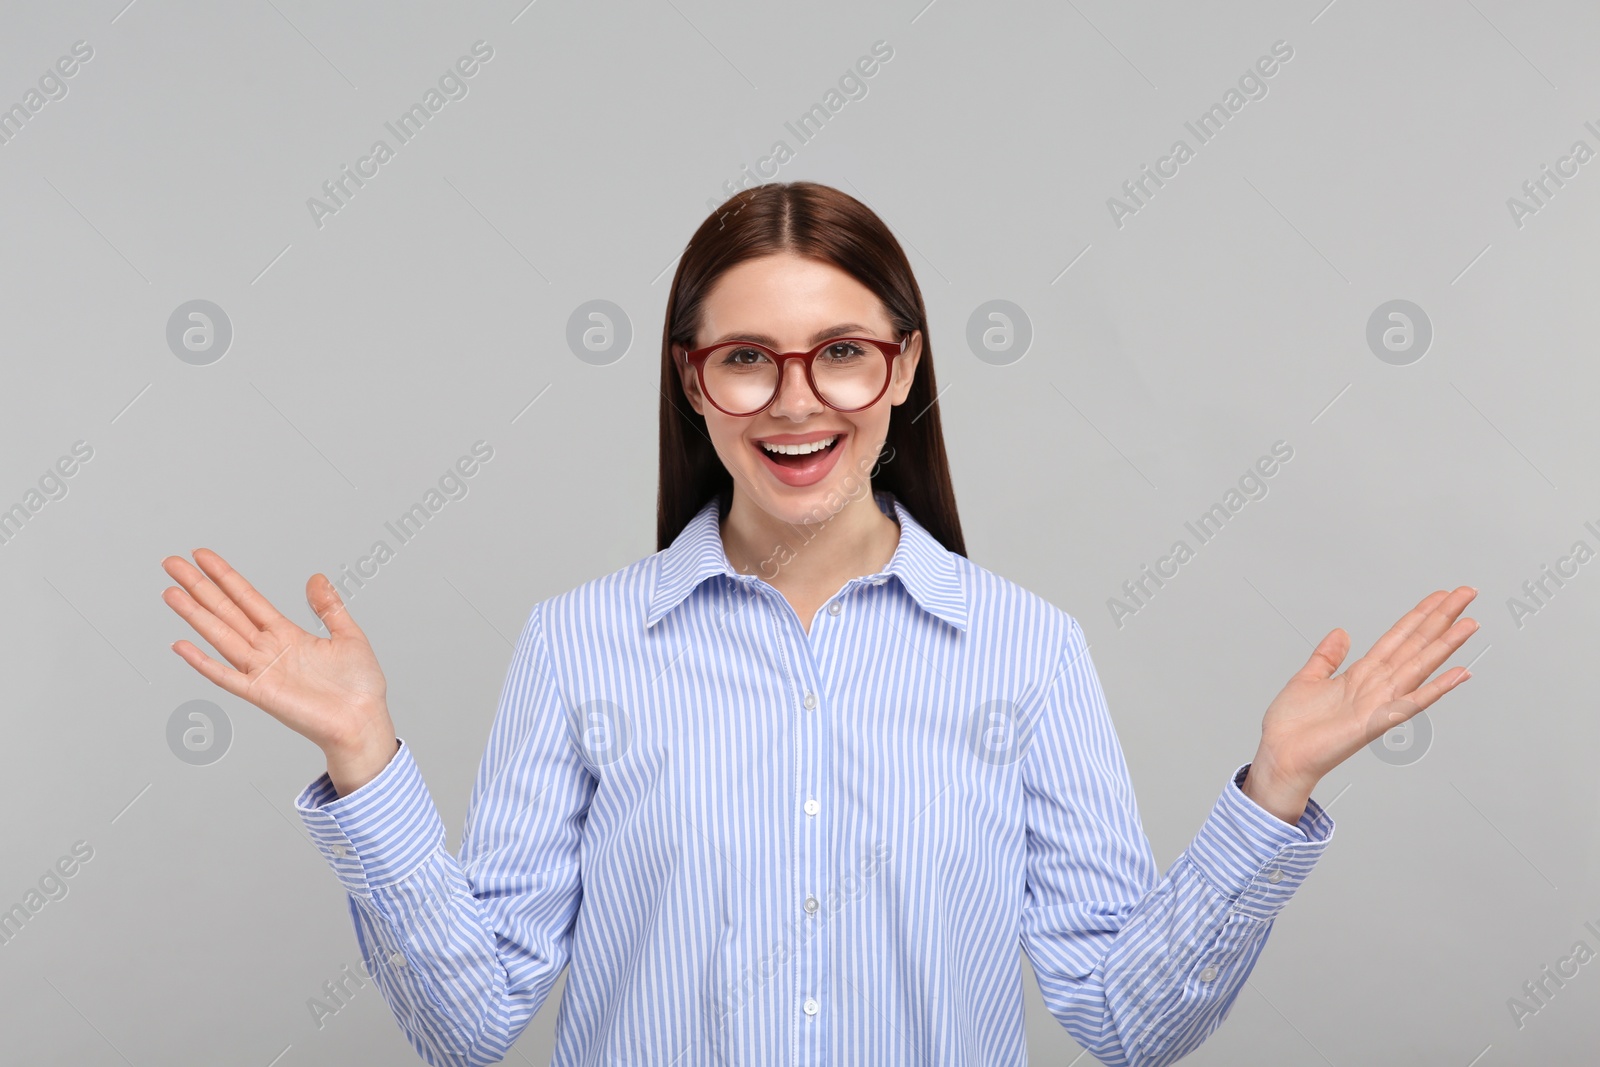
[(1138, 970), (465, 949)]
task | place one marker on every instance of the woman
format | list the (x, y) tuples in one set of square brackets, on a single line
[(794, 788)]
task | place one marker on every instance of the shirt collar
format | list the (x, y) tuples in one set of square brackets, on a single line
[(926, 569)]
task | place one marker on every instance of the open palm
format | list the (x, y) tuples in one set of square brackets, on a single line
[(1321, 719), (329, 689)]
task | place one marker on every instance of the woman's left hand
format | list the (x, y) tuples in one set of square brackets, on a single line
[(1319, 720)]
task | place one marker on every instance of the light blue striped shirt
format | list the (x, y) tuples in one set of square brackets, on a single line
[(761, 846)]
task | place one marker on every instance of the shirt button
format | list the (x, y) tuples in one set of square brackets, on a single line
[(1274, 876), (810, 1006), (811, 699), (1208, 974), (811, 905), (812, 807), (340, 850), (397, 958), (833, 607)]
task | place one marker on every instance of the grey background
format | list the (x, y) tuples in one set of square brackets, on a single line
[(369, 354)]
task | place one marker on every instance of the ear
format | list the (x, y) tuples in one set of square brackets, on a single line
[(905, 369), (690, 380)]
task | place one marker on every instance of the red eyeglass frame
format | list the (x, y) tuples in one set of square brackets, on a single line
[(888, 349)]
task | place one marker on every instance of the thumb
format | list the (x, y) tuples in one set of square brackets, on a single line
[(1327, 656), (329, 606)]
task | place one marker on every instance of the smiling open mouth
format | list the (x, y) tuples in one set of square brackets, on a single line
[(800, 456), (800, 465)]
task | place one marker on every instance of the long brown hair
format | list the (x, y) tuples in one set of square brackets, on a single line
[(808, 219)]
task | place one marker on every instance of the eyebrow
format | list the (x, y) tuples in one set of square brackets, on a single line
[(840, 330)]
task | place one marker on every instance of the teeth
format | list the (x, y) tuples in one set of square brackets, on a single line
[(800, 450)]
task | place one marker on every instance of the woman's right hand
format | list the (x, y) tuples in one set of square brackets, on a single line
[(329, 689)]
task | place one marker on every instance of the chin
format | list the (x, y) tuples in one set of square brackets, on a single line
[(817, 508), (813, 503)]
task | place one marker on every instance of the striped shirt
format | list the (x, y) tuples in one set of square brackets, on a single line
[(759, 845)]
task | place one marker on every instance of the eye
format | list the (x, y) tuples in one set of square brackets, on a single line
[(741, 356), (842, 352)]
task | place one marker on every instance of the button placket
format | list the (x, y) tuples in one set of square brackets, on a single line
[(810, 876)]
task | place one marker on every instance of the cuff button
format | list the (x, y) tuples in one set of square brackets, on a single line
[(1274, 876)]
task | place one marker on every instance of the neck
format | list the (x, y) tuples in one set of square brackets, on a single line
[(856, 540)]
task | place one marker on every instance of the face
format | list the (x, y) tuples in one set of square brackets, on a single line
[(790, 303)]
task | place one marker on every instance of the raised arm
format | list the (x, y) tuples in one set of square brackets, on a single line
[(1140, 970), (465, 949)]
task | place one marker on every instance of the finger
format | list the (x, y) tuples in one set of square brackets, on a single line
[(1439, 686), (1327, 656), (213, 599), (255, 606), (223, 677), (329, 606), (235, 649), (1386, 645), (1413, 670), (1438, 621)]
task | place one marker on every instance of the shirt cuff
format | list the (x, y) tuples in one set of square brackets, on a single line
[(378, 834), (1253, 857)]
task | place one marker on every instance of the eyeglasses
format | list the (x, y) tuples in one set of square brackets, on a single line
[(741, 377)]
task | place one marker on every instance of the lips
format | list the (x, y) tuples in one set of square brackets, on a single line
[(804, 470)]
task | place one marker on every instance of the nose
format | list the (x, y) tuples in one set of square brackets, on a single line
[(795, 399)]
